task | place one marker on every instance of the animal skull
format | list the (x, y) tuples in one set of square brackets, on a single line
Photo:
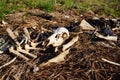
[(57, 38)]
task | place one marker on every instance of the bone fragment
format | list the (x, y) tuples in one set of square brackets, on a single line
[(11, 34), (111, 38), (27, 47), (26, 33), (1, 52), (11, 49), (86, 26), (34, 44)]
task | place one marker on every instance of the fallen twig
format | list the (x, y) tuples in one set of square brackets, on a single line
[(111, 62), (8, 63)]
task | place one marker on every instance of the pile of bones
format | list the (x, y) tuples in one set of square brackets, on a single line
[(57, 42)]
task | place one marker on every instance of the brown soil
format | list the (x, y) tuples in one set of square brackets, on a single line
[(84, 61)]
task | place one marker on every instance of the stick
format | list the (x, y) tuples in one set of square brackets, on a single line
[(8, 63), (111, 62)]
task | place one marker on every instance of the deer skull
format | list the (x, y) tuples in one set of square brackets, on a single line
[(57, 38)]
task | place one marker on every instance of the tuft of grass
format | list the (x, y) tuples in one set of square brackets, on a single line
[(107, 7), (47, 5), (67, 4), (9, 6)]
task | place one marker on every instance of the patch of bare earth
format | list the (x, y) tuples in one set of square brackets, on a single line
[(84, 62)]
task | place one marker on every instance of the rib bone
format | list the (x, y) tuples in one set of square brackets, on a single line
[(68, 45)]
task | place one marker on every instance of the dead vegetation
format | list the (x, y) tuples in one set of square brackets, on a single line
[(87, 59)]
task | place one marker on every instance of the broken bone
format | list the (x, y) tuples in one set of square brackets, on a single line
[(26, 33), (110, 38), (57, 38), (12, 35), (86, 26), (27, 47)]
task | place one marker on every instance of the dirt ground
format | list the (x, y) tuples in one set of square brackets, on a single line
[(84, 61)]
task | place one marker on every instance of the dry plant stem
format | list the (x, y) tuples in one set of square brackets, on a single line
[(8, 63), (111, 62), (17, 53)]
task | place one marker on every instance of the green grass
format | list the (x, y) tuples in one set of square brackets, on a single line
[(107, 7)]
